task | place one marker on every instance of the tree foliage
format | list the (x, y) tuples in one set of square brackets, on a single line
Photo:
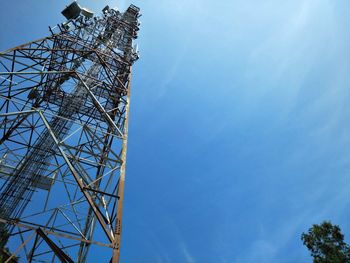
[(326, 244)]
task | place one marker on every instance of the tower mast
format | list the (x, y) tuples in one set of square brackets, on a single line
[(64, 106)]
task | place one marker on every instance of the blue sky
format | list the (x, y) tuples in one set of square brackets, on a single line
[(239, 136)]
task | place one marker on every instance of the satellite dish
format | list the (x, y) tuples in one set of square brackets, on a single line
[(72, 11), (105, 9), (87, 13)]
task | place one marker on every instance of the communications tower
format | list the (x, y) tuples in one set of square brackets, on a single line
[(64, 105)]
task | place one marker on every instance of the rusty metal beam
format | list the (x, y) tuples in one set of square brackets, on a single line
[(58, 252), (118, 227), (12, 222)]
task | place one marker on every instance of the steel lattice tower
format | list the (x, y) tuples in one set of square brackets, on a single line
[(64, 105)]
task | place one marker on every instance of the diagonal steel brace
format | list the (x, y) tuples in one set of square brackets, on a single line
[(80, 183)]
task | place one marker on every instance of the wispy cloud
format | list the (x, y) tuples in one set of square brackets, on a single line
[(188, 257)]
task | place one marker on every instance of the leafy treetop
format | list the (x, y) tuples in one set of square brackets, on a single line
[(326, 244)]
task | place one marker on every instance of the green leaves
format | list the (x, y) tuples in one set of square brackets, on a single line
[(326, 244)]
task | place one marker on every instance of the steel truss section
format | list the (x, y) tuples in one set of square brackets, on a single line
[(64, 104)]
